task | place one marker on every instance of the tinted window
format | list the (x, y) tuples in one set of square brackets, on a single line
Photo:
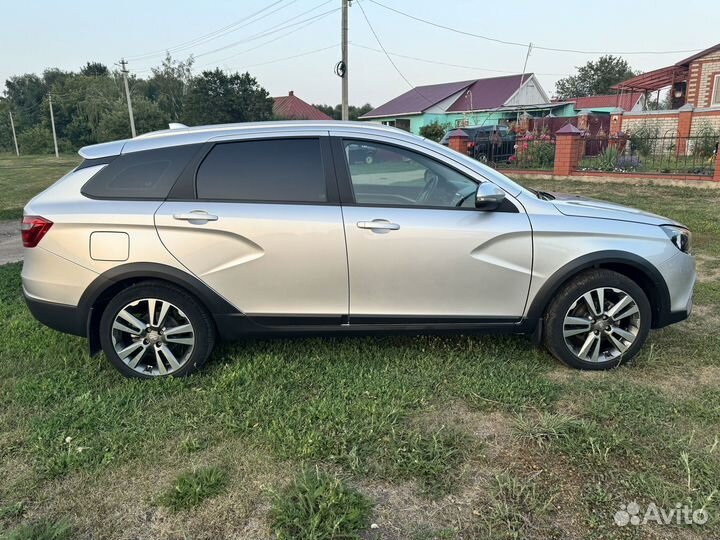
[(141, 175), (387, 175), (283, 170)]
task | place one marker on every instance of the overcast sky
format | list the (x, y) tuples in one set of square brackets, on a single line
[(38, 34)]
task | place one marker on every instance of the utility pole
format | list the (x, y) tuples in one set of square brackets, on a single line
[(345, 5), (124, 72), (52, 122), (12, 125)]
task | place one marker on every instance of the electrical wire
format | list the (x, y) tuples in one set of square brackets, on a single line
[(214, 34), (439, 63), (392, 62), (519, 44), (261, 45)]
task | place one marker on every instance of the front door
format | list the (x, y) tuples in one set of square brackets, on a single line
[(419, 251), (265, 230)]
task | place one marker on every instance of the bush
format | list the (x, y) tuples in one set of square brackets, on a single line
[(706, 140), (538, 154), (607, 160), (36, 140), (643, 139), (434, 131)]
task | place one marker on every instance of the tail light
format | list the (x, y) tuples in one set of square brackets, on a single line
[(32, 229)]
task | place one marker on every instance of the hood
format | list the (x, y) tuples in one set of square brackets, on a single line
[(574, 205)]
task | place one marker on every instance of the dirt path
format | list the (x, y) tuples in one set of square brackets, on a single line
[(10, 244)]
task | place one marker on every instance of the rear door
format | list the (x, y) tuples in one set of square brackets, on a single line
[(265, 229)]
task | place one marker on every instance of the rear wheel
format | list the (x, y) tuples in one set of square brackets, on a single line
[(597, 321), (155, 330)]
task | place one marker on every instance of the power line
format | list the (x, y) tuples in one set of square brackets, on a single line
[(276, 60), (440, 63), (215, 62), (392, 62), (519, 44), (214, 34), (270, 31)]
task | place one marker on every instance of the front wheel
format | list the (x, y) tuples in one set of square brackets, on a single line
[(597, 321), (154, 330)]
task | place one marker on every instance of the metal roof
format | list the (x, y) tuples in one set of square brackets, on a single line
[(292, 107), (486, 94)]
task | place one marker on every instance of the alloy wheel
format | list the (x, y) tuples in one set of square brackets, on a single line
[(601, 325), (153, 336)]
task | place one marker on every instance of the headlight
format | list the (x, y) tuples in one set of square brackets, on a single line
[(682, 238)]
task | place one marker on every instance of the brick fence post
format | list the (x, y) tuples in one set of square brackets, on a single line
[(685, 116), (717, 167), (616, 121), (567, 150), (458, 141)]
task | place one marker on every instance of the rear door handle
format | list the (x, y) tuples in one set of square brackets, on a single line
[(195, 215), (378, 224)]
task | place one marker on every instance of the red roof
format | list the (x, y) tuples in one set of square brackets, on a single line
[(623, 101), (291, 107)]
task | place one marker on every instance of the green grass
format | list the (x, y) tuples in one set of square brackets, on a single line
[(450, 437), (21, 178), (40, 530), (317, 506), (192, 488)]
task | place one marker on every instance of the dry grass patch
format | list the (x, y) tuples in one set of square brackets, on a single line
[(122, 503)]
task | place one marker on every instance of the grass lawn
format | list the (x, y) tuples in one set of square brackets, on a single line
[(22, 177), (393, 437)]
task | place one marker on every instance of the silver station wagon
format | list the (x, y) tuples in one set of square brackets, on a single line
[(156, 247)]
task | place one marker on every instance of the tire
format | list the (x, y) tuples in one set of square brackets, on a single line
[(178, 342), (577, 334)]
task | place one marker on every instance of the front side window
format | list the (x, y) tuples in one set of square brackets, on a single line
[(391, 176), (277, 170), (716, 91)]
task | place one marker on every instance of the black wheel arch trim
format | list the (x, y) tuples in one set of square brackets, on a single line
[(604, 259), (87, 306)]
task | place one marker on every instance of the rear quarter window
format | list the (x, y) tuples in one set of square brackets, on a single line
[(149, 174)]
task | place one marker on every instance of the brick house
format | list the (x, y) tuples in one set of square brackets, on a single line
[(695, 96)]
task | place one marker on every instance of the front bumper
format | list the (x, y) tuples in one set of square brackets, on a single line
[(679, 275)]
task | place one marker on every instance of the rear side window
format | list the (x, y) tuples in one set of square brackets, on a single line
[(141, 175), (277, 170)]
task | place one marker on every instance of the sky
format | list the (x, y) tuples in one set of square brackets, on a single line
[(40, 34)]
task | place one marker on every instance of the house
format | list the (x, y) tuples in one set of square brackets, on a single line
[(694, 80), (607, 103), (466, 103), (291, 107), (694, 85)]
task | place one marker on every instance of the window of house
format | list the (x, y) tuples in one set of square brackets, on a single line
[(391, 176), (282, 170), (716, 92)]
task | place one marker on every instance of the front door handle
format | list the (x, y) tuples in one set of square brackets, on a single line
[(195, 215), (378, 224)]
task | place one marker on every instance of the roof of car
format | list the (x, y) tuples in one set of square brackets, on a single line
[(180, 134)]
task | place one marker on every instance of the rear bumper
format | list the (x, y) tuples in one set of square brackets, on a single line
[(61, 317)]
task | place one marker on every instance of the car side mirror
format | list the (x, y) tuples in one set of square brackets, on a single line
[(488, 197)]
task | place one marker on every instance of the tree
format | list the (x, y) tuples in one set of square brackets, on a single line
[(216, 97), (169, 85), (336, 112), (94, 69), (116, 123), (595, 78), (433, 131)]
